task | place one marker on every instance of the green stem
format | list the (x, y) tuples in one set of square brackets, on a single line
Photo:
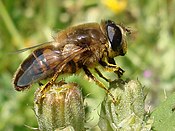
[(10, 26)]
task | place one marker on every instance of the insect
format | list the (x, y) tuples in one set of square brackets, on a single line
[(79, 47)]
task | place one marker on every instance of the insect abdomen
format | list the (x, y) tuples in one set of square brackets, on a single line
[(34, 68)]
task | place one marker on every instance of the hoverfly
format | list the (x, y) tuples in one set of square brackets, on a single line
[(79, 47)]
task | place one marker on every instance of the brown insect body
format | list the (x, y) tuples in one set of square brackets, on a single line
[(76, 47)]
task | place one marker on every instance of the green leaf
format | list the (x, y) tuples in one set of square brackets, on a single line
[(164, 115)]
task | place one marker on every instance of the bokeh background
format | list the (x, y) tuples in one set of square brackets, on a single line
[(150, 57)]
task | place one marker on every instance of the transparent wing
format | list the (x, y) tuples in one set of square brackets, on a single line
[(43, 63), (32, 47)]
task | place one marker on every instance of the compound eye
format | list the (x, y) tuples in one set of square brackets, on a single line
[(114, 35)]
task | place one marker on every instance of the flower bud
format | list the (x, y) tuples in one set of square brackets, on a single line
[(59, 106), (128, 113)]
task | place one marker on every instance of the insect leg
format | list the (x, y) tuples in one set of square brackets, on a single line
[(116, 69), (40, 84), (112, 68), (111, 61), (89, 74), (102, 76), (73, 65), (47, 86)]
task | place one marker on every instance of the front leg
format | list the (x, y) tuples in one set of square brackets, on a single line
[(101, 75), (99, 83), (111, 66)]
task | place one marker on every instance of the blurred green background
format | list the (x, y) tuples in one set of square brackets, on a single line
[(150, 57)]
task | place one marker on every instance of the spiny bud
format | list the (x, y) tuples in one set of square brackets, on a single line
[(128, 113), (59, 106)]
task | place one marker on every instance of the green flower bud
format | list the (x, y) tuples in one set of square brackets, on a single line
[(128, 113), (59, 106)]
